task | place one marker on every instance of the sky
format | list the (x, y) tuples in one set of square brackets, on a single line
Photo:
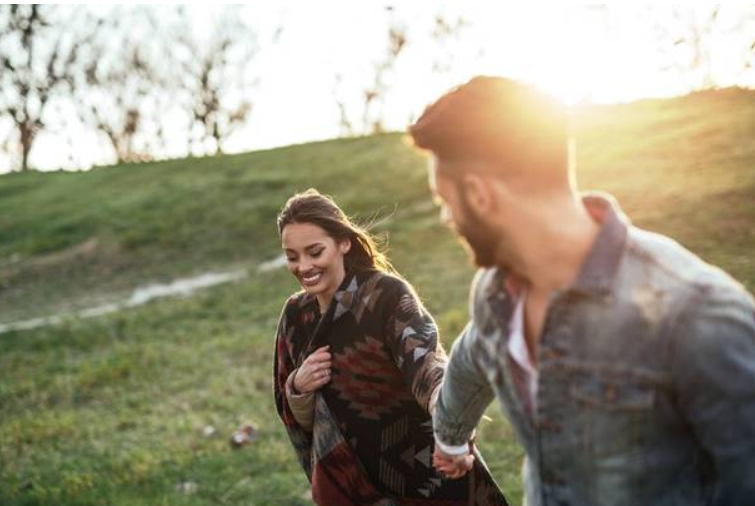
[(578, 52)]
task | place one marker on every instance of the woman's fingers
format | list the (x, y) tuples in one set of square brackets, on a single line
[(318, 365), (315, 371), (444, 468), (453, 467), (321, 375), (320, 353), (319, 382), (320, 360), (321, 365)]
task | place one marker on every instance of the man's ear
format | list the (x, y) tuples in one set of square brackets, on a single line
[(479, 193)]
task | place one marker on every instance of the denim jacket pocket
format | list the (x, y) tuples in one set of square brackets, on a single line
[(614, 394), (615, 411), (613, 429)]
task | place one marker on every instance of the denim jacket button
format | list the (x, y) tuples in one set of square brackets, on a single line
[(551, 478), (552, 353), (610, 393), (548, 424)]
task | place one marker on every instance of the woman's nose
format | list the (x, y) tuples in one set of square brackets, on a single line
[(304, 266)]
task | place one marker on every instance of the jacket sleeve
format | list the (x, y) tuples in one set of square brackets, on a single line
[(302, 405), (464, 394), (412, 339), (283, 366), (714, 374)]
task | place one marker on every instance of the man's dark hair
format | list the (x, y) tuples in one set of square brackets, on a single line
[(500, 121)]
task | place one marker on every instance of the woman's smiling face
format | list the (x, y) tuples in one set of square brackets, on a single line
[(315, 259)]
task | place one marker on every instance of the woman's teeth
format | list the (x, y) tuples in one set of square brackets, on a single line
[(313, 279)]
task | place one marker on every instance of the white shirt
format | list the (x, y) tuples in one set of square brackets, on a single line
[(520, 352)]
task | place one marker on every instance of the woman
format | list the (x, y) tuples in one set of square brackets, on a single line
[(357, 362)]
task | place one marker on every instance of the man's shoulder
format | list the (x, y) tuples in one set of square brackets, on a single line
[(666, 261)]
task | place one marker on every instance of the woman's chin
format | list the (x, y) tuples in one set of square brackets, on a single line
[(313, 289)]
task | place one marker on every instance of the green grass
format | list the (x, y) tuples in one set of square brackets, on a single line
[(111, 410)]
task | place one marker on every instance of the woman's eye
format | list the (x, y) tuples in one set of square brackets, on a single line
[(317, 253), (291, 259)]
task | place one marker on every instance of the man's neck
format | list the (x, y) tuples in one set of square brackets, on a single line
[(548, 255)]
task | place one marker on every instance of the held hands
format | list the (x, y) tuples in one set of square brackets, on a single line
[(314, 372), (452, 466)]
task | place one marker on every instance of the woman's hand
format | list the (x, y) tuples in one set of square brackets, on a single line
[(314, 372)]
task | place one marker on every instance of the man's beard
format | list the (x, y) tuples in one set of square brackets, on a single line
[(478, 238)]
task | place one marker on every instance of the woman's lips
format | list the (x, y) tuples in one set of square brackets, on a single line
[(311, 279)]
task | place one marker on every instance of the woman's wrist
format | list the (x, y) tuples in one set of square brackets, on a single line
[(293, 388)]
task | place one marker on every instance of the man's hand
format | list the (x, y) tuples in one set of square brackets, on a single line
[(452, 466)]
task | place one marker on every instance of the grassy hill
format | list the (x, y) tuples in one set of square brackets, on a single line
[(111, 410)]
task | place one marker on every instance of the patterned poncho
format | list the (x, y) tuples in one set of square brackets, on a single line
[(371, 442)]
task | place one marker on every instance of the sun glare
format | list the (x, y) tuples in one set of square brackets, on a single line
[(576, 53), (566, 55)]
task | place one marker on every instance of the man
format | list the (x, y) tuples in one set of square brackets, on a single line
[(625, 364)]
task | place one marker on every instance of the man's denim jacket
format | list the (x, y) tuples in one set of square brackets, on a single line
[(646, 391)]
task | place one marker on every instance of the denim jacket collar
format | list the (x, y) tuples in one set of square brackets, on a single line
[(599, 268)]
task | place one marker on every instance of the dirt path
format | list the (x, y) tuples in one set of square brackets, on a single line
[(183, 287)]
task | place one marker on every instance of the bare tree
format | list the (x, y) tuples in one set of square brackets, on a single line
[(750, 56), (446, 33), (691, 39), (695, 35), (748, 26), (36, 60), (124, 90), (216, 80), (374, 95), (346, 127), (369, 116)]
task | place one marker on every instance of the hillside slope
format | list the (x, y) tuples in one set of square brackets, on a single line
[(112, 410)]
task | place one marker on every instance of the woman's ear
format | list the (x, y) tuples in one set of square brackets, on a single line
[(345, 246)]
